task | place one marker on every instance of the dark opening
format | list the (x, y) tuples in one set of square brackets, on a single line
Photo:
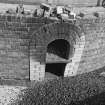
[(59, 50), (56, 68)]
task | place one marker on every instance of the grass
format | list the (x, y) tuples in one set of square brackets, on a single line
[(27, 2), (85, 89), (98, 99)]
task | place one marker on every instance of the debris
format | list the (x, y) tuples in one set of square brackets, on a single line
[(102, 74)]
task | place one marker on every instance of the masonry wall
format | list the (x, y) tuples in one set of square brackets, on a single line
[(13, 51), (93, 56), (16, 34), (94, 52)]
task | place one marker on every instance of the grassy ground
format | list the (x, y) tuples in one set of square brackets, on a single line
[(27, 2), (9, 93), (61, 2), (85, 89)]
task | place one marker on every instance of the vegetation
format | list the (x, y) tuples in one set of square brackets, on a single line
[(85, 89)]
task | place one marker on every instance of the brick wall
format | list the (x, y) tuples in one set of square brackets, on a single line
[(94, 52), (16, 33)]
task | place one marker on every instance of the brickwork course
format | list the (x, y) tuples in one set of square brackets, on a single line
[(26, 45)]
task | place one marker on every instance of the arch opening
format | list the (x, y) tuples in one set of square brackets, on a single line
[(60, 48), (58, 53)]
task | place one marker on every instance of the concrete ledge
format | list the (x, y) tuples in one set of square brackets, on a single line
[(11, 82)]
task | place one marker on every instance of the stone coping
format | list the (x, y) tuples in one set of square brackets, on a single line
[(11, 82)]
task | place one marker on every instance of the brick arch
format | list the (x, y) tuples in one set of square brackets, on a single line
[(53, 31), (61, 48), (47, 34), (58, 53)]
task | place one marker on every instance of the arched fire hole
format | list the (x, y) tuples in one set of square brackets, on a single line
[(58, 52)]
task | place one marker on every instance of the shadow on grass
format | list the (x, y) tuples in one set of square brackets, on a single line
[(94, 100), (83, 89)]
